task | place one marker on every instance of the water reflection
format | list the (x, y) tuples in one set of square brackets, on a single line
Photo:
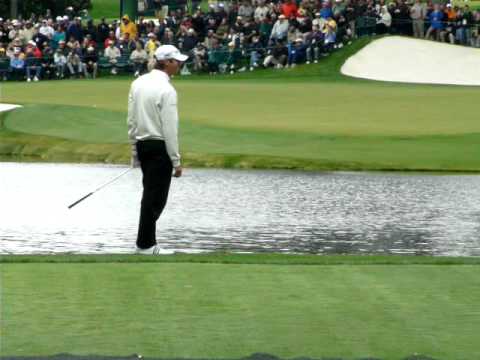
[(241, 211)]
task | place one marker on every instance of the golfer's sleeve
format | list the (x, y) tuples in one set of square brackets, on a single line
[(169, 117), (131, 120)]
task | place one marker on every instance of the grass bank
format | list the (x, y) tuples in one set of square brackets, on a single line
[(309, 118), (109, 9), (356, 307)]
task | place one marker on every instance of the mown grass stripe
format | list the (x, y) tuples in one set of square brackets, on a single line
[(230, 258)]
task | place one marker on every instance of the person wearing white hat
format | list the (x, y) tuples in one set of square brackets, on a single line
[(280, 29), (153, 133)]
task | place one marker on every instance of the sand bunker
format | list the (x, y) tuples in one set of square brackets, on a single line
[(8, 107), (410, 60)]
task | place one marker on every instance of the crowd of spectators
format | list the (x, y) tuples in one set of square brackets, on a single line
[(230, 36)]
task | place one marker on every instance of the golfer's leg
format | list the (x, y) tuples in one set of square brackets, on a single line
[(157, 176)]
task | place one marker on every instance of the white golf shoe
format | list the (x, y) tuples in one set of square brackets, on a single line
[(154, 250)]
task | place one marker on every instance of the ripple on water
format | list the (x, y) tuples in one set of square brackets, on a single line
[(241, 211)]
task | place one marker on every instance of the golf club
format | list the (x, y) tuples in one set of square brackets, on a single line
[(99, 188)]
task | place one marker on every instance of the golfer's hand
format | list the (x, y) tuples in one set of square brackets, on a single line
[(134, 162), (178, 172)]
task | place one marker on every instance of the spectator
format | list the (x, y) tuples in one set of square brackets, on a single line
[(60, 62), (384, 21), (256, 52), (222, 30), (233, 56), (279, 30), (326, 11), (40, 39), (103, 31), (17, 65), (475, 37), (112, 53), (90, 63), (111, 38), (139, 59), (126, 45), (33, 62), (214, 58), (265, 30), (88, 41), (47, 63), (91, 32), (168, 37), (46, 29), (277, 56), (418, 13), (298, 53), (27, 33), (188, 42), (245, 10), (74, 64), (152, 44), (289, 9), (261, 11), (128, 27), (199, 57), (330, 34), (14, 32), (436, 24), (58, 35), (75, 30), (314, 43)]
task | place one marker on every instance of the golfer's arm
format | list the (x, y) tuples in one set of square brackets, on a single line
[(169, 118), (131, 120)]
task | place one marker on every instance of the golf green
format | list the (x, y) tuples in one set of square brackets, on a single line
[(213, 310), (310, 117)]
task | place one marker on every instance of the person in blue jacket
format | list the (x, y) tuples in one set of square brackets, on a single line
[(437, 24), (298, 53), (17, 65)]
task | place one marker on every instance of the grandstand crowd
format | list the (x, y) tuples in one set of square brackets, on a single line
[(228, 37)]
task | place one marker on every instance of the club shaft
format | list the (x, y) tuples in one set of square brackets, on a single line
[(99, 188)]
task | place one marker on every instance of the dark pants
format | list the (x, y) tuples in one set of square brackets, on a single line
[(157, 175)]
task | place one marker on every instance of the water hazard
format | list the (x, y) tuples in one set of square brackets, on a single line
[(241, 211)]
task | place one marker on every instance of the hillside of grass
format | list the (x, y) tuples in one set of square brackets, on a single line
[(310, 117), (109, 9)]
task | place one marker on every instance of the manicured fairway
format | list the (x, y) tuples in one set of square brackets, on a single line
[(308, 118), (188, 310)]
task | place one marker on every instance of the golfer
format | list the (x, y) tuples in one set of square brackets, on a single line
[(153, 133)]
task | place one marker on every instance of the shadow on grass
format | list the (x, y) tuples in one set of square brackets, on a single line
[(257, 356)]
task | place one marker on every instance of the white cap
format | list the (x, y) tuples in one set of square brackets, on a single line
[(166, 52)]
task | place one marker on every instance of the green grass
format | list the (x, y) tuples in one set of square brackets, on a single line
[(473, 4), (305, 118), (190, 310), (109, 9)]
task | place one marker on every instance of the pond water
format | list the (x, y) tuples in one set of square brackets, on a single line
[(241, 211)]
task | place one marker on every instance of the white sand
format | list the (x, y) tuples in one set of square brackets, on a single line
[(8, 107), (410, 60)]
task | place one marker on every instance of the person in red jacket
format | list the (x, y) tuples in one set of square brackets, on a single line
[(289, 9)]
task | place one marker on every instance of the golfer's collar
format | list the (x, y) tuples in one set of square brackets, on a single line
[(161, 73)]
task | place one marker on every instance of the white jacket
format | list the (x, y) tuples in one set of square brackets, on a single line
[(153, 113)]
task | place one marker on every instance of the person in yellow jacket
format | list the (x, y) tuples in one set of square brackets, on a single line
[(128, 27)]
